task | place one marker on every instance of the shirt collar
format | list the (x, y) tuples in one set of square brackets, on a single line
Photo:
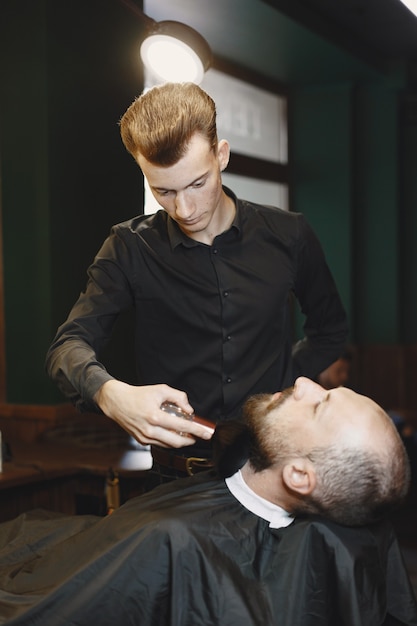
[(272, 513), (177, 237)]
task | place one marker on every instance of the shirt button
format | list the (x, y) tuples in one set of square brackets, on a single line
[(228, 338), (225, 293), (228, 380), (215, 250)]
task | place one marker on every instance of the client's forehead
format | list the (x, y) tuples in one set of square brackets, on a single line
[(355, 400), (357, 414)]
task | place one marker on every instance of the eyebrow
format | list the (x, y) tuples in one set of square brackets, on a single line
[(196, 180)]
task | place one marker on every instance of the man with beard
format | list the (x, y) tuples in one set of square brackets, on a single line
[(294, 537)]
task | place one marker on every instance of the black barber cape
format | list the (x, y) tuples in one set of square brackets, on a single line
[(189, 554)]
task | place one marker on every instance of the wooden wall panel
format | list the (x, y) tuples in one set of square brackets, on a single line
[(382, 374)]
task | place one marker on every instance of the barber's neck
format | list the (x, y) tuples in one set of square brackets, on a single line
[(219, 224)]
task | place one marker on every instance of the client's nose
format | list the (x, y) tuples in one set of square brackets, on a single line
[(304, 387)]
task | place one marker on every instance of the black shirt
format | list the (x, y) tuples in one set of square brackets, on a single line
[(212, 320)]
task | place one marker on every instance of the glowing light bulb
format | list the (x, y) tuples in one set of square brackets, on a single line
[(171, 59), (411, 5)]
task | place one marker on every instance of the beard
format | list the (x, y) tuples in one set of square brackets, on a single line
[(270, 430), (282, 398), (231, 441)]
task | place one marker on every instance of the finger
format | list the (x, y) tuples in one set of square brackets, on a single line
[(168, 439), (165, 429), (193, 426), (178, 441), (177, 397), (174, 409)]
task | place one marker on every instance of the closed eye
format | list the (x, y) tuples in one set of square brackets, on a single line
[(322, 401), (162, 192)]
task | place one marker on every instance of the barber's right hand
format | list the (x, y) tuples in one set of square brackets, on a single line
[(138, 411)]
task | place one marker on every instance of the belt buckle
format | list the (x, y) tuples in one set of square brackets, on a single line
[(195, 460)]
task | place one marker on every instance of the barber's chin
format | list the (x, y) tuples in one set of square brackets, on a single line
[(191, 228), (190, 223), (194, 222)]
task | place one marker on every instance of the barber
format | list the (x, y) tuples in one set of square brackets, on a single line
[(210, 279)]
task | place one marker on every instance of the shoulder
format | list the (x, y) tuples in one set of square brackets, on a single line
[(178, 499), (276, 221), (356, 540), (341, 555), (195, 506), (141, 223), (137, 233), (250, 208)]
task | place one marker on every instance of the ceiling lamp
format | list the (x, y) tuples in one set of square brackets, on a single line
[(411, 5), (175, 52), (172, 51)]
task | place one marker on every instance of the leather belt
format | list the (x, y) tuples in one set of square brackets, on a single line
[(187, 465)]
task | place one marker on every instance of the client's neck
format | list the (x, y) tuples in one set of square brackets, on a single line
[(267, 484)]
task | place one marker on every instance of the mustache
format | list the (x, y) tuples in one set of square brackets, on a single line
[(282, 398)]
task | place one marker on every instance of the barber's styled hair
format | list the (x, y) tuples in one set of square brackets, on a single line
[(355, 486), (160, 123)]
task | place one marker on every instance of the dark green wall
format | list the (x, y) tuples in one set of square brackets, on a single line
[(25, 193), (376, 214), (321, 162), (408, 217), (355, 178), (68, 72)]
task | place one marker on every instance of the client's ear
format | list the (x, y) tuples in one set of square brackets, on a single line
[(298, 475)]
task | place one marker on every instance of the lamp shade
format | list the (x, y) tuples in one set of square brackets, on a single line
[(411, 5), (175, 52)]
